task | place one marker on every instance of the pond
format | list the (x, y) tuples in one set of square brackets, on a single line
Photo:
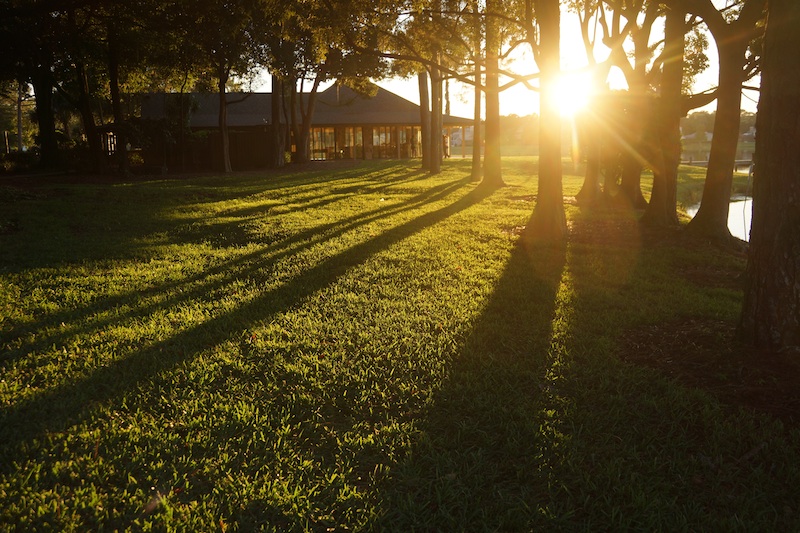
[(740, 214)]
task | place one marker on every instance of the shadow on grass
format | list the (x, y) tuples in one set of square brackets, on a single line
[(205, 282), (65, 405), (483, 458), (57, 223)]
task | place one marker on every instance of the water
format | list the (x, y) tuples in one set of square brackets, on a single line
[(740, 214)]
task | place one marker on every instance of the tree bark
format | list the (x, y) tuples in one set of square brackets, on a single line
[(222, 119), (96, 156), (20, 97), (662, 210), (636, 121), (116, 103), (590, 190), (549, 224), (732, 40), (492, 171), (436, 122), (771, 310), (278, 127), (477, 171), (425, 118), (711, 219), (42, 81)]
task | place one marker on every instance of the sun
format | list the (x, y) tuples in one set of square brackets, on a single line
[(572, 93)]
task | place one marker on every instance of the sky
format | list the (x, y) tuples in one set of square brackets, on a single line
[(521, 101)]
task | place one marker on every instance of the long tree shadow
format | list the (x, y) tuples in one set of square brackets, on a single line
[(483, 455), (64, 405), (202, 283), (54, 224)]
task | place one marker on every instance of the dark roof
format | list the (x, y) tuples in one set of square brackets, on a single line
[(341, 105), (337, 105), (244, 109)]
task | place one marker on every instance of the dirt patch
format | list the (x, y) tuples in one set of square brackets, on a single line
[(705, 354)]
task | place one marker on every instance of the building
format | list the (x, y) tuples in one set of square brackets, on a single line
[(346, 125)]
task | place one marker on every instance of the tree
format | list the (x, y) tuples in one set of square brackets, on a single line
[(589, 124), (548, 223), (319, 41), (477, 55), (229, 36), (733, 34), (34, 43), (447, 38), (492, 174), (771, 310), (666, 154)]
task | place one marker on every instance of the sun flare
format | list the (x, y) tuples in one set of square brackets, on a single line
[(572, 93)]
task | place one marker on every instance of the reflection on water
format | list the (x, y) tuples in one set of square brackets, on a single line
[(740, 214)]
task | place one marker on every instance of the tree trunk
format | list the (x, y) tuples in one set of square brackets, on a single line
[(630, 188), (278, 129), (20, 96), (477, 171), (637, 116), (42, 81), (222, 81), (548, 224), (302, 131), (96, 156), (771, 310), (492, 171), (436, 122), (116, 104), (425, 118), (711, 219), (589, 132), (663, 209)]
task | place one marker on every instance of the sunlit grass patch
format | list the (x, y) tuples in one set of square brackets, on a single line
[(364, 348)]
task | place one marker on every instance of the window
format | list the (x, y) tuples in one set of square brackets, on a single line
[(323, 144)]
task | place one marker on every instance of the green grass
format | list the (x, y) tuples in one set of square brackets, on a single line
[(357, 348)]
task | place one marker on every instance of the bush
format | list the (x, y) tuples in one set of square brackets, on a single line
[(18, 162)]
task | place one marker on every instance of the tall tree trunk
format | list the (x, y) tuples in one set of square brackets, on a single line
[(637, 117), (436, 121), (662, 209), (20, 97), (477, 40), (492, 159), (589, 133), (549, 223), (120, 129), (711, 219), (447, 97), (183, 122), (307, 106), (278, 129), (732, 38), (477, 171), (771, 310), (222, 119), (96, 155), (425, 118), (42, 81)]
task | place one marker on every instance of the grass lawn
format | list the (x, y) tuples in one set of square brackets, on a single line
[(369, 348)]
